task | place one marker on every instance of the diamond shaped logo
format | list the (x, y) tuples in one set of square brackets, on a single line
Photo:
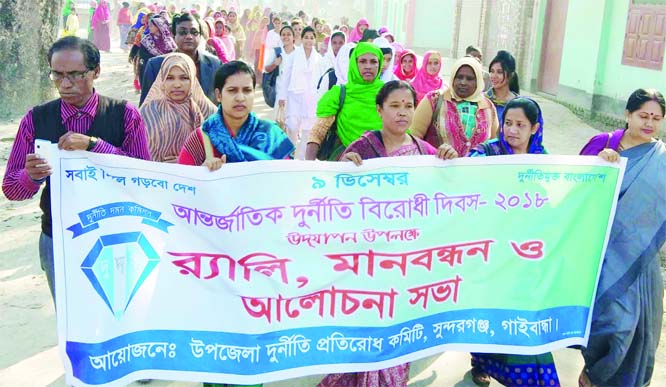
[(117, 266)]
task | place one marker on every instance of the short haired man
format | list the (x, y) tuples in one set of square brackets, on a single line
[(187, 31), (81, 119)]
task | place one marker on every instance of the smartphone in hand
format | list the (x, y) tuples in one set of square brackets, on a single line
[(43, 150)]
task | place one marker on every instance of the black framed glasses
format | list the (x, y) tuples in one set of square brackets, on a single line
[(71, 76)]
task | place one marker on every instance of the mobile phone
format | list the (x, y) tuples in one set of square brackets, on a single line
[(43, 150)]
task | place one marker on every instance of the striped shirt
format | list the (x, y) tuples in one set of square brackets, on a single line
[(17, 184)]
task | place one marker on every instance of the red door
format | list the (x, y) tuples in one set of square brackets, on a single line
[(552, 44)]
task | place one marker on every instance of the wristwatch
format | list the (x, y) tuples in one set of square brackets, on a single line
[(91, 143)]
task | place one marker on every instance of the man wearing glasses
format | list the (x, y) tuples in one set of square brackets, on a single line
[(80, 119), (187, 32)]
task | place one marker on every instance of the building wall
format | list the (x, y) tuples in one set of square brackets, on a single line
[(433, 24), (582, 39), (592, 75), (538, 38)]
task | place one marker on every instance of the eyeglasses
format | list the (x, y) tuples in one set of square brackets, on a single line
[(71, 76), (192, 32)]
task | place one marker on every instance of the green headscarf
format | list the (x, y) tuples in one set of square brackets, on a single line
[(359, 112)]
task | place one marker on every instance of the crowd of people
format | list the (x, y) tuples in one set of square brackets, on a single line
[(344, 93)]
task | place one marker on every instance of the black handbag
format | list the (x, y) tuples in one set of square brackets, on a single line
[(269, 82), (332, 141)]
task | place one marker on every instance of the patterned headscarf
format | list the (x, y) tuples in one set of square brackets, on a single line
[(162, 44), (536, 140), (169, 123)]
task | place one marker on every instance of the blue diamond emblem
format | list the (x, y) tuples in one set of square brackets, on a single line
[(117, 266)]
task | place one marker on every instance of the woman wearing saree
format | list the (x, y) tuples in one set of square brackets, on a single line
[(175, 106), (395, 104), (521, 133), (427, 78), (628, 309), (460, 115), (100, 26), (234, 133), (238, 32)]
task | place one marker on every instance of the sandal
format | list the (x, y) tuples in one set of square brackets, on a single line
[(479, 377)]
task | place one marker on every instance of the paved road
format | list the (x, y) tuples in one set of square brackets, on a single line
[(27, 326)]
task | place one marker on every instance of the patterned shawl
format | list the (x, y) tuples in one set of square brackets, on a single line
[(169, 123), (256, 140), (162, 44), (499, 146)]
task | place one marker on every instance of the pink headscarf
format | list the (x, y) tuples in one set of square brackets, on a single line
[(424, 82), (356, 34), (398, 69), (101, 14)]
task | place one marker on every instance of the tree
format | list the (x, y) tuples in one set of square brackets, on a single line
[(27, 29)]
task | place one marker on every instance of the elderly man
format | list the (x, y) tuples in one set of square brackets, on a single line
[(81, 119), (187, 32)]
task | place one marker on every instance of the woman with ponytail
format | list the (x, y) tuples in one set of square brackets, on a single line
[(504, 80)]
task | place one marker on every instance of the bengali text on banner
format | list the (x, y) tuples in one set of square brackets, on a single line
[(272, 270)]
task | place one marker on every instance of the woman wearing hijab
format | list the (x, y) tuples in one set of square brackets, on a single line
[(357, 33), (358, 112), (158, 41), (228, 41), (427, 79), (336, 41), (175, 106), (100, 26), (461, 116), (296, 91), (337, 75), (234, 133), (406, 68), (251, 29), (521, 133), (222, 46), (389, 59), (238, 32), (142, 20)]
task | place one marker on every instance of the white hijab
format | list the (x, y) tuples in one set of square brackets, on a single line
[(301, 66), (341, 64), (387, 75), (329, 58)]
